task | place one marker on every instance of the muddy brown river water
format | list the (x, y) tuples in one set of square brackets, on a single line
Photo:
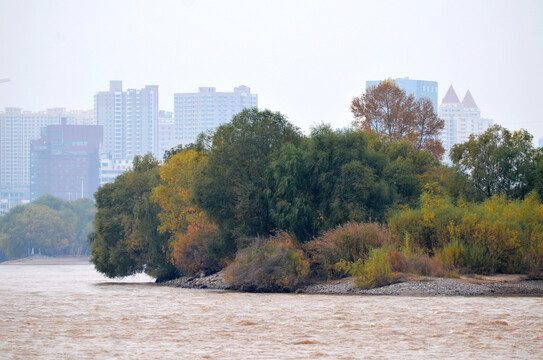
[(72, 312)]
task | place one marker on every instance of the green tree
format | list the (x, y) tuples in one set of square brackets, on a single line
[(331, 178), (497, 162), (537, 176), (80, 213), (126, 239), (37, 227), (231, 187), (405, 169)]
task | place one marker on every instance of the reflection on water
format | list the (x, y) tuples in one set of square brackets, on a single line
[(73, 312)]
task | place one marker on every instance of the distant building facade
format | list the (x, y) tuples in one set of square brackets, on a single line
[(64, 161), (419, 88), (462, 118), (111, 168), (129, 119), (207, 109), (17, 129), (166, 132)]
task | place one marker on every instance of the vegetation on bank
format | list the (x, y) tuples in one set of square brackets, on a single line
[(49, 226), (275, 209)]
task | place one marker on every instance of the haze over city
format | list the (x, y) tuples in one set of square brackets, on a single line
[(207, 178), (306, 59)]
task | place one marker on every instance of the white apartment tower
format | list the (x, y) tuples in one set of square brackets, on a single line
[(461, 120), (207, 109), (130, 120)]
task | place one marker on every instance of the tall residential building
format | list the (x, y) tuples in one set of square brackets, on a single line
[(207, 109), (166, 132), (129, 119), (461, 120), (17, 130), (419, 88), (64, 162)]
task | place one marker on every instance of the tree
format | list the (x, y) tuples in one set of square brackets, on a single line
[(126, 239), (192, 233), (37, 227), (49, 225), (387, 110), (497, 162), (202, 144), (331, 178), (231, 187)]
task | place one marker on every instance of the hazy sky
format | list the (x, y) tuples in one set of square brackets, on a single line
[(307, 59)]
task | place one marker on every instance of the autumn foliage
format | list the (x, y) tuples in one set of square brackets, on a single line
[(269, 264), (190, 251), (348, 242), (387, 110), (192, 232), (498, 235), (274, 208)]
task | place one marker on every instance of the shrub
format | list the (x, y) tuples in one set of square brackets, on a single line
[(348, 242), (398, 261), (273, 264), (480, 260), (498, 235), (374, 272), (534, 257), (190, 251), (453, 255), (423, 264), (427, 226)]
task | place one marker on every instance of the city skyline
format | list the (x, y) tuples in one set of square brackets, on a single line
[(304, 59)]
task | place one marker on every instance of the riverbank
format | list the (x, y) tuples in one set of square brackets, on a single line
[(49, 260), (415, 286)]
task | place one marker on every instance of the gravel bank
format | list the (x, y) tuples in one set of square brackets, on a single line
[(433, 287), (488, 286), (215, 281)]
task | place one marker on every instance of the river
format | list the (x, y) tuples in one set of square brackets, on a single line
[(73, 312)]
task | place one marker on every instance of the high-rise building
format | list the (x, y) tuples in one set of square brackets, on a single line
[(419, 88), (207, 109), (461, 120), (129, 119), (166, 132), (64, 162), (17, 130)]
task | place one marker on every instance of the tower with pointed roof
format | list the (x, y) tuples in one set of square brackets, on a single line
[(461, 120)]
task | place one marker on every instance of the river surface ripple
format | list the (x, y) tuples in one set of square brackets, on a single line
[(72, 312)]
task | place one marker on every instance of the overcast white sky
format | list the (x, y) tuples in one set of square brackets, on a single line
[(307, 59)]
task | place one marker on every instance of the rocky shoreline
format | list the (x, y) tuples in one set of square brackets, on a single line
[(502, 285)]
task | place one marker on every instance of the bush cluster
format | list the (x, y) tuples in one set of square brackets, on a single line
[(348, 242), (495, 236), (273, 264)]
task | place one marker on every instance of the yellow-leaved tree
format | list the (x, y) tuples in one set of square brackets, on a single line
[(193, 234)]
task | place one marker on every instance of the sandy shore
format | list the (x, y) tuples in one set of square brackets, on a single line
[(498, 285), (48, 260)]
